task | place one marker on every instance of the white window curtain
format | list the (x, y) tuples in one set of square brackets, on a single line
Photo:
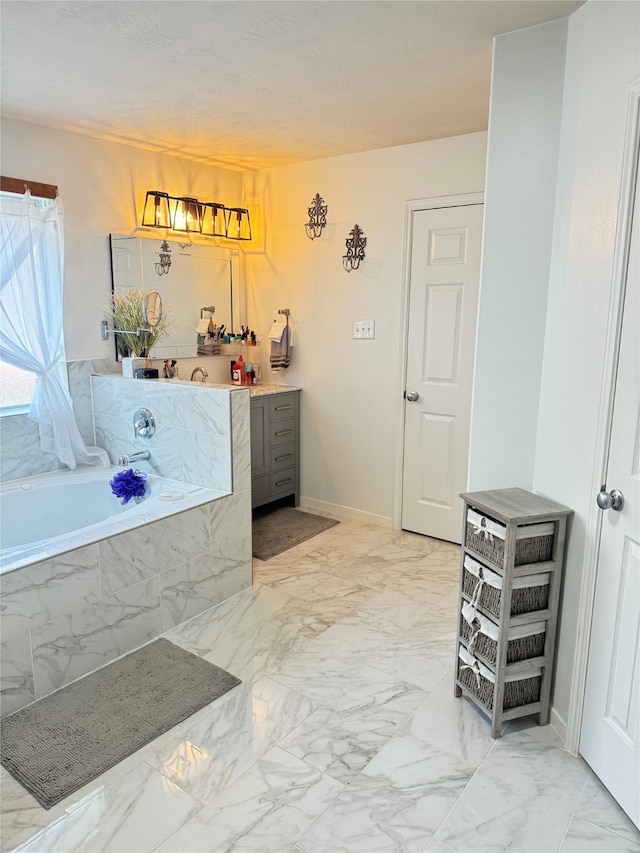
[(31, 276)]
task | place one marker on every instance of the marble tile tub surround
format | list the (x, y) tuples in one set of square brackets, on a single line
[(66, 616), (192, 442), (309, 756)]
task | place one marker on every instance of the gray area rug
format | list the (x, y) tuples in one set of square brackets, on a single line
[(278, 530), (61, 742)]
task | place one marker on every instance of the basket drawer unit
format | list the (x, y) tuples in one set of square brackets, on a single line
[(481, 637), (521, 688), (484, 587), (486, 536), (511, 564)]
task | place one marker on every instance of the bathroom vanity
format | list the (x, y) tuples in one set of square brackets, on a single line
[(275, 443)]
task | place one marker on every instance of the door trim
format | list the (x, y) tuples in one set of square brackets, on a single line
[(410, 209), (603, 435)]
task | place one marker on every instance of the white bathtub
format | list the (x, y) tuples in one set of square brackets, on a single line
[(54, 513)]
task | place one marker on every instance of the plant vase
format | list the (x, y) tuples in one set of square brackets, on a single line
[(131, 364)]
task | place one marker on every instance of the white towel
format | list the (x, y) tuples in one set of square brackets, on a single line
[(276, 331), (281, 351)]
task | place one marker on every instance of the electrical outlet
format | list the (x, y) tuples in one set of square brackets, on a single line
[(364, 329)]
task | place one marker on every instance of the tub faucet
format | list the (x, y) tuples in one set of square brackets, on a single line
[(201, 370), (140, 456)]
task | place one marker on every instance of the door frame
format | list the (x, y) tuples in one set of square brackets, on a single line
[(410, 209), (605, 419)]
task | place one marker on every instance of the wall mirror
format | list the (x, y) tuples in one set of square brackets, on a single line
[(188, 277)]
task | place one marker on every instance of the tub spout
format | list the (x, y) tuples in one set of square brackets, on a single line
[(140, 456)]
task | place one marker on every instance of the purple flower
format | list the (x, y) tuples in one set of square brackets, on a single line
[(128, 484)]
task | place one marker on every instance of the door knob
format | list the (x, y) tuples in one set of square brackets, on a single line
[(412, 396), (610, 500)]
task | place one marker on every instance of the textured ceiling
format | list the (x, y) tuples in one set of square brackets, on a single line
[(249, 84)]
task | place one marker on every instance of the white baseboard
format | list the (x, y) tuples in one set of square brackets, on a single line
[(558, 725), (338, 511)]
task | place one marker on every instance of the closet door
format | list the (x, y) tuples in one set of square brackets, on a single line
[(443, 302)]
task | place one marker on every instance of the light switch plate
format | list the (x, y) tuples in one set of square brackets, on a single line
[(364, 329)]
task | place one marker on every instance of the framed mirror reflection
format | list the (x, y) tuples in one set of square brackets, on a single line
[(188, 277)]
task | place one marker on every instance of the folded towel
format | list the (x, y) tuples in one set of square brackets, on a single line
[(276, 331), (281, 351)]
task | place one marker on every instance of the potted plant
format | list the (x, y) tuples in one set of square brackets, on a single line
[(139, 324)]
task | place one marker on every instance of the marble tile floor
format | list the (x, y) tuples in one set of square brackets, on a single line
[(344, 735)]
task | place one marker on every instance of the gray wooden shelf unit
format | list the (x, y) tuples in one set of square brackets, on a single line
[(275, 447), (510, 574)]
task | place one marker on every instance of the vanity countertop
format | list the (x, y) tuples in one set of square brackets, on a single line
[(266, 389)]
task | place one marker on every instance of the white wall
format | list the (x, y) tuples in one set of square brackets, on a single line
[(524, 133), (103, 187), (556, 133), (602, 62), (352, 390)]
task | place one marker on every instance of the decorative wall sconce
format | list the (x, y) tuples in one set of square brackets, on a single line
[(164, 264), (356, 241), (317, 217), (192, 216)]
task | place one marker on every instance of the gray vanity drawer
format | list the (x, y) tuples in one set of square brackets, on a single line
[(282, 432), (260, 489), (283, 456), (283, 482), (282, 406)]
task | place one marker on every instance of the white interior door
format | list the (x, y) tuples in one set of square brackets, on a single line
[(443, 302), (610, 739)]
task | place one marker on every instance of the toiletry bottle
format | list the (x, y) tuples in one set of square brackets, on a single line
[(241, 367), (249, 373), (233, 367)]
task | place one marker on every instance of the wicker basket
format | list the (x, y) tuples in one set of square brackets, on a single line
[(486, 536), (518, 648), (528, 593), (523, 690)]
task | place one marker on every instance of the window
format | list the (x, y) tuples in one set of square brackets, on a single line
[(16, 384)]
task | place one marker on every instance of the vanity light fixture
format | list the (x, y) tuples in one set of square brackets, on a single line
[(157, 210), (213, 219), (317, 217), (163, 265), (356, 241), (238, 226), (189, 215)]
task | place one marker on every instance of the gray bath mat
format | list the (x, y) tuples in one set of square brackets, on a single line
[(61, 742), (278, 530)]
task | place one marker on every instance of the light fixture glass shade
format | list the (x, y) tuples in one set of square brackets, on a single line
[(187, 214), (238, 226), (157, 212), (213, 220)]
